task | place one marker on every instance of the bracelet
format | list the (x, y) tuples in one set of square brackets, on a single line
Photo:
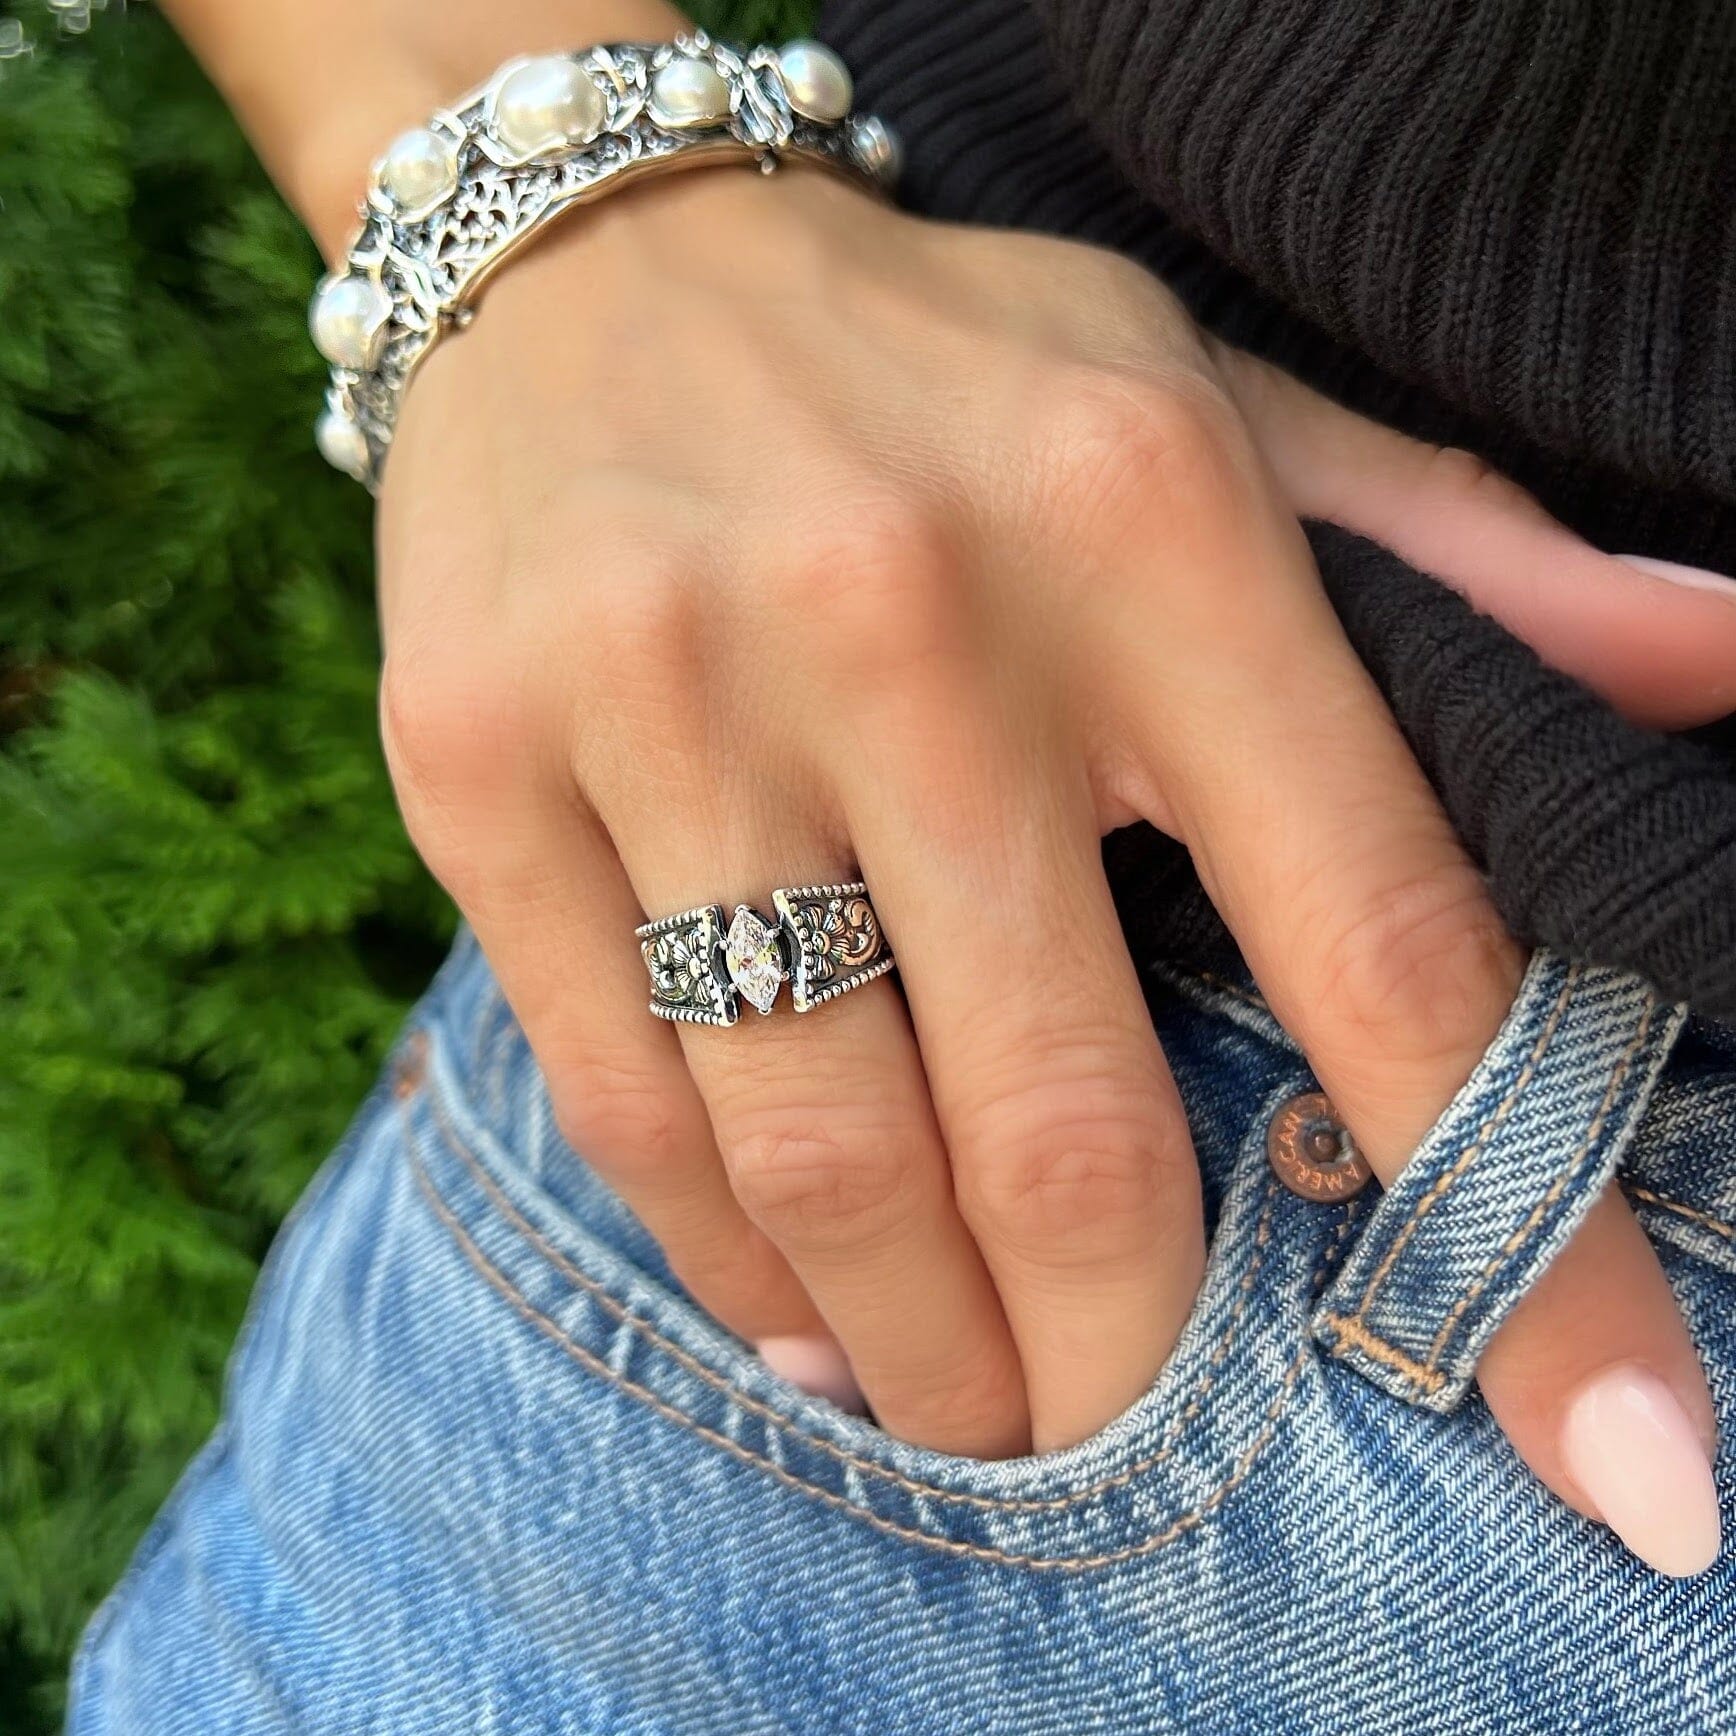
[(450, 200)]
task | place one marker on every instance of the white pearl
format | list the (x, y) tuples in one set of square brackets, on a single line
[(546, 104), (348, 321), (877, 148), (816, 81), (689, 92), (419, 169), (342, 444)]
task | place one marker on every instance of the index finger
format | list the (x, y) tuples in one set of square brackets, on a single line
[(1374, 938)]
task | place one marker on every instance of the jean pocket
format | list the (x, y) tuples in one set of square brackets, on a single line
[(1680, 1175), (1502, 1180), (609, 1335)]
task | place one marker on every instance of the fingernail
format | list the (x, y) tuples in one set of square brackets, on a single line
[(1691, 578), (1633, 1449), (816, 1363)]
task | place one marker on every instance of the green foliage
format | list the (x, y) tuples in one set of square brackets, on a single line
[(210, 922)]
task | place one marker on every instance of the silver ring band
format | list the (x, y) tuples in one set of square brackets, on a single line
[(823, 941)]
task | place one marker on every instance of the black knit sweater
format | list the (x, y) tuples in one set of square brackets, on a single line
[(1503, 224)]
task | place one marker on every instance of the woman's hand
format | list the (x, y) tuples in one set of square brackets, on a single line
[(756, 532)]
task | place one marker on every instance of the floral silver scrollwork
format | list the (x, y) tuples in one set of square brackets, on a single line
[(763, 110), (834, 940), (826, 942), (684, 956)]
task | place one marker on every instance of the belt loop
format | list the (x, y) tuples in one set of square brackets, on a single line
[(1501, 1181)]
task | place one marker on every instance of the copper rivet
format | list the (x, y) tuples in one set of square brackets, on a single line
[(412, 1063), (1312, 1153)]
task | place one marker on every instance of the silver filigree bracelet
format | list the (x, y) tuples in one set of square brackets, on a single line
[(449, 201)]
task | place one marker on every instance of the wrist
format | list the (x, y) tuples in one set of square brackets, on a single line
[(319, 115), (321, 165), (454, 200)]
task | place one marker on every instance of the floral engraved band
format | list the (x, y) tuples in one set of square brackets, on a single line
[(823, 941), (449, 201)]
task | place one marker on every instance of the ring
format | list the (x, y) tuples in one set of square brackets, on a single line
[(823, 941)]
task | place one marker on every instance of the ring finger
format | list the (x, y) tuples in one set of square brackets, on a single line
[(830, 1143), (540, 884)]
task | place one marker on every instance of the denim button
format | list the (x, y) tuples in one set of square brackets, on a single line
[(1311, 1151)]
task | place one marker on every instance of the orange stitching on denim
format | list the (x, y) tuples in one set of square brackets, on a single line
[(594, 1364), (1355, 1335), (1509, 1249), (1445, 1183), (928, 1491), (1704, 1219)]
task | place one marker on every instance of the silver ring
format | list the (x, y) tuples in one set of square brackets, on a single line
[(823, 941)]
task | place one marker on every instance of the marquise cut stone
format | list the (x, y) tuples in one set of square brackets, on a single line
[(754, 955)]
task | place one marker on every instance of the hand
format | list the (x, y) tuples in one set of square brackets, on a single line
[(756, 532)]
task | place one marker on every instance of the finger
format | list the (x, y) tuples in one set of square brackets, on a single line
[(1070, 1149), (1595, 1382), (1658, 641), (829, 1139), (1311, 825), (1372, 935), (540, 884)]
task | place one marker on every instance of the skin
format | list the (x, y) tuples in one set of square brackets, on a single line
[(755, 532)]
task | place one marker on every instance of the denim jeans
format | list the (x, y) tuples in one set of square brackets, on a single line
[(484, 1467)]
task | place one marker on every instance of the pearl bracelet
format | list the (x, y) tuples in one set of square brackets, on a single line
[(450, 200)]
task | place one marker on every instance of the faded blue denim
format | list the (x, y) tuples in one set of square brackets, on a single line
[(485, 1468)]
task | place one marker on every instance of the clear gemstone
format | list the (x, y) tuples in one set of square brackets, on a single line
[(754, 956)]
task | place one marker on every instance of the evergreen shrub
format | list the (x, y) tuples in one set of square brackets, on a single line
[(211, 924)]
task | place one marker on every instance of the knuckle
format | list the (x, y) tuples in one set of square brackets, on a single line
[(1420, 967), (1071, 1166), (877, 581), (619, 1112), (1121, 455), (1464, 476), (646, 624), (809, 1186), (645, 659), (448, 725), (419, 719)]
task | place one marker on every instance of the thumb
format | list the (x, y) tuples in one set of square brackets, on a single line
[(1658, 641)]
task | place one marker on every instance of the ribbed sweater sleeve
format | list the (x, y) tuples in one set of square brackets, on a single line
[(1600, 839), (1504, 224), (1523, 205)]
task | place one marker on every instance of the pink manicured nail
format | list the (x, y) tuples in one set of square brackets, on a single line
[(816, 1364), (1632, 1448), (1691, 578)]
